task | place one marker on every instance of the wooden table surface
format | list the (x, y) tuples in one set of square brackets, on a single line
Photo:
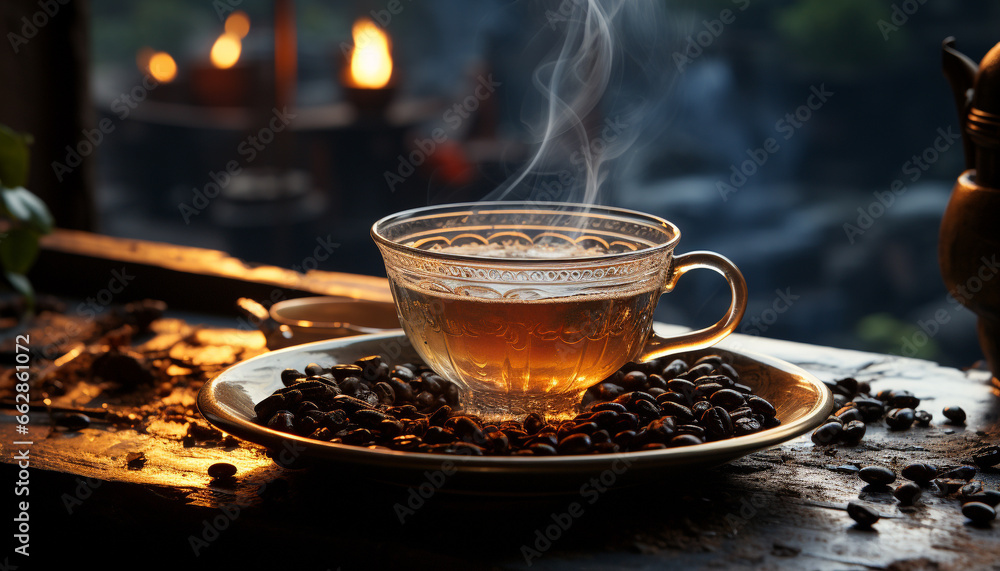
[(780, 508)]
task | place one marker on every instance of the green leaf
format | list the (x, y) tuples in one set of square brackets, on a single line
[(23, 286), (22, 205), (18, 250), (13, 157)]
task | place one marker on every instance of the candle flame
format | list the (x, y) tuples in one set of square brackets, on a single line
[(162, 67), (226, 51), (371, 64), (238, 24)]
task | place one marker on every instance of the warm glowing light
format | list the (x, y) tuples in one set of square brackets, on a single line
[(226, 51), (162, 67), (238, 24), (371, 64)]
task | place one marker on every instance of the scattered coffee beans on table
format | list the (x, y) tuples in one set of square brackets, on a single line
[(643, 406)]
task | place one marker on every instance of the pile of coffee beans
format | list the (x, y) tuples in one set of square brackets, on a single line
[(856, 408), (977, 504), (643, 406)]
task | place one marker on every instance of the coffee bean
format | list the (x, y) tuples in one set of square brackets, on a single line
[(728, 370), (661, 429), (73, 421), (848, 387), (314, 369), (221, 470), (692, 429), (655, 381), (700, 407), (549, 439), (534, 422), (684, 440), (608, 391), (987, 456), (390, 428), (862, 514), (335, 420), (634, 381), (541, 449), (612, 406), (923, 418), (903, 399), (761, 406), (406, 442), (717, 423), (742, 388), (907, 493), (323, 433), (653, 446), (282, 420), (359, 437), (575, 444), (624, 438), (385, 393), (849, 415), (884, 395), (266, 408), (960, 473), (988, 497), (604, 418), (707, 390), (306, 425), (854, 431), (871, 409), (742, 412), (290, 376), (440, 416), (676, 367), (682, 413), (439, 435), (745, 426), (727, 399), (341, 372), (713, 360), (368, 418), (954, 414), (920, 472), (829, 433), (626, 421), (979, 512), (646, 410), (899, 418), (600, 436), (696, 371), (877, 475), (685, 389)]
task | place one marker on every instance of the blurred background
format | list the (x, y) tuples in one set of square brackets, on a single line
[(759, 127)]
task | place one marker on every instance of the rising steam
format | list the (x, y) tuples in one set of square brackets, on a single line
[(596, 89)]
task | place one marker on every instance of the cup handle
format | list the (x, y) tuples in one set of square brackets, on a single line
[(658, 346)]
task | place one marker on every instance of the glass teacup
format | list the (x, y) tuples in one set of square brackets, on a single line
[(525, 305)]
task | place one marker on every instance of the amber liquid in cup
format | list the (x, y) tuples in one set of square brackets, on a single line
[(525, 305), (527, 354)]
